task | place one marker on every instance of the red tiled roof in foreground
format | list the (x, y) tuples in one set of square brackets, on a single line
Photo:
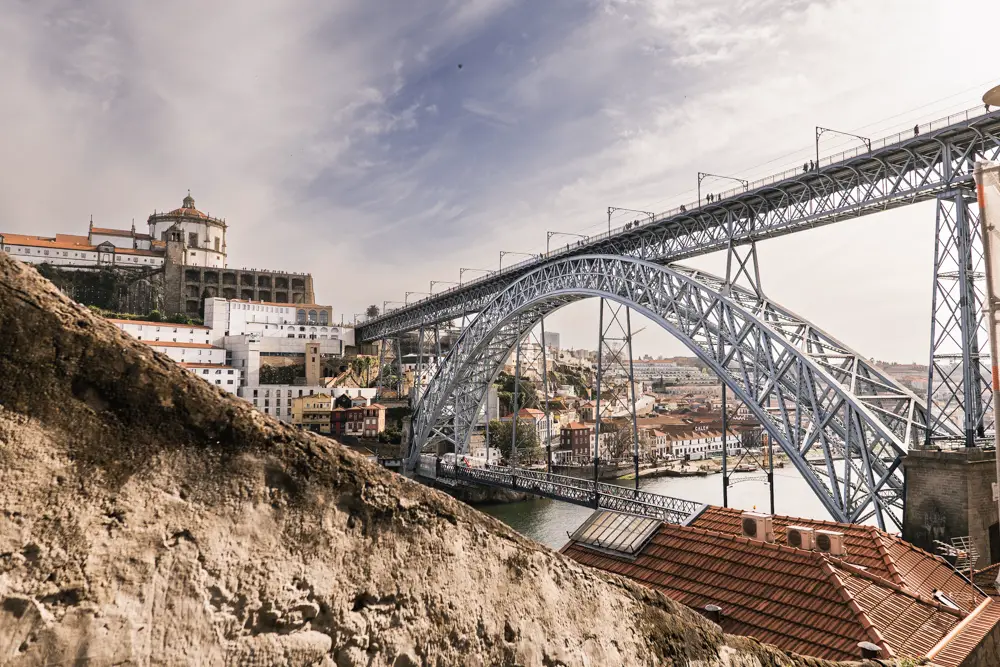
[(882, 554), (802, 601)]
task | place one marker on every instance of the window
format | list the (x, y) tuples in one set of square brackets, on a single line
[(229, 381), (313, 316), (268, 402), (255, 393), (193, 239), (216, 244), (300, 316)]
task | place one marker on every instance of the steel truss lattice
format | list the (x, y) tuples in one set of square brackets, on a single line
[(958, 380), (903, 173), (844, 424)]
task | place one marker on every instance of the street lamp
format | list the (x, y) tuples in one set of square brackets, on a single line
[(441, 282), (356, 316), (512, 252), (821, 130), (461, 272), (702, 176), (549, 235), (612, 209), (386, 303), (407, 296)]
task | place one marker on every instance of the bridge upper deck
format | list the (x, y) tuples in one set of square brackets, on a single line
[(899, 170)]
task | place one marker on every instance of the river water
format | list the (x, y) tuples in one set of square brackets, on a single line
[(549, 521)]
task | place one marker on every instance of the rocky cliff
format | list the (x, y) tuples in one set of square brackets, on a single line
[(146, 518)]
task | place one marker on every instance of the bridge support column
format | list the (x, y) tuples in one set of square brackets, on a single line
[(958, 388), (725, 449), (381, 367), (515, 407), (548, 413), (616, 413), (399, 368)]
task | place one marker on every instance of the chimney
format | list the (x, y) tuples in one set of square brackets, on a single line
[(869, 651), (713, 613)]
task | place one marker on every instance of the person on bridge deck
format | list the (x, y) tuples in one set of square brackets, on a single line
[(683, 208), (916, 130), (812, 167)]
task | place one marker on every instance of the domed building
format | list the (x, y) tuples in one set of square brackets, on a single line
[(183, 257), (204, 237)]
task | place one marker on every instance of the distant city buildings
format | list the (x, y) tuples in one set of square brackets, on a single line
[(180, 261)]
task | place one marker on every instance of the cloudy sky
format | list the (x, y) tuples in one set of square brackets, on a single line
[(342, 138)]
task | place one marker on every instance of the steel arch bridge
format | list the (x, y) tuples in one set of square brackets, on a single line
[(845, 425)]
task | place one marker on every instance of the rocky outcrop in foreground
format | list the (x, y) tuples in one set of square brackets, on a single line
[(146, 518)]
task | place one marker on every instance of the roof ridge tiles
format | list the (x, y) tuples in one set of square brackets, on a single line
[(852, 604), (854, 570), (878, 537)]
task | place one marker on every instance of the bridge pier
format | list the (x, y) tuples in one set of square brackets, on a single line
[(958, 385), (949, 493)]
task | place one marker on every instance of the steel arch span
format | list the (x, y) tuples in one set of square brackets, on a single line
[(845, 425)]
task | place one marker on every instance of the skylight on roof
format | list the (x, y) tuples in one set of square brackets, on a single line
[(618, 532), (945, 600)]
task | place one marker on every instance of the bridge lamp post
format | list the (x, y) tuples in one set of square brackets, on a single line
[(820, 130), (461, 272), (703, 175), (385, 304), (406, 297), (441, 282), (549, 235), (512, 252), (612, 209)]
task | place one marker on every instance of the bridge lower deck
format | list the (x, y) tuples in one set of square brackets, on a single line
[(574, 490)]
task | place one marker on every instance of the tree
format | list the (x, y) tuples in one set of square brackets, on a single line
[(372, 311), (529, 448), (616, 440), (527, 393)]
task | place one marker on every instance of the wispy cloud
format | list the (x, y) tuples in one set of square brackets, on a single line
[(343, 138)]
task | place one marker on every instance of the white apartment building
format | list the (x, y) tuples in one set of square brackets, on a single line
[(235, 317), (165, 331), (191, 353), (668, 371), (188, 345), (224, 377), (276, 399)]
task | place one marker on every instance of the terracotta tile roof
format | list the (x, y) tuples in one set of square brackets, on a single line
[(953, 650), (987, 578), (171, 325), (801, 601), (107, 231), (67, 242), (44, 242), (72, 238), (186, 364), (882, 554), (575, 426)]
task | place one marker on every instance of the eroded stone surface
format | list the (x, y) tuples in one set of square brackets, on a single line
[(148, 519)]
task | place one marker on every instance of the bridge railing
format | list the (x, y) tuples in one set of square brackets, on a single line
[(613, 496), (574, 489), (876, 144)]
